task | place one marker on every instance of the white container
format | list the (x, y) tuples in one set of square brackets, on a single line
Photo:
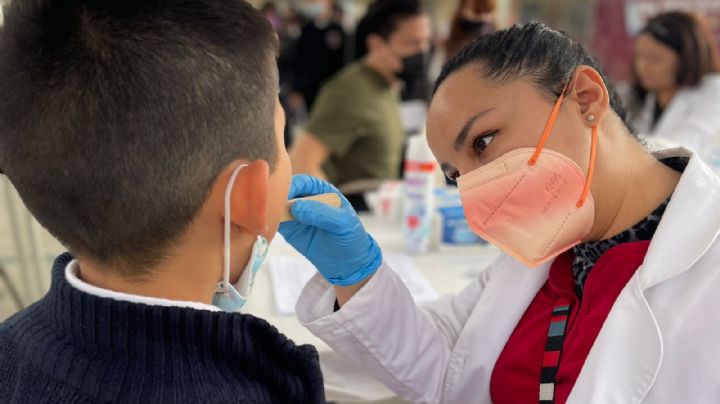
[(418, 195), (386, 202), (452, 230)]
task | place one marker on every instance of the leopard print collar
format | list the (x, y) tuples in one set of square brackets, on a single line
[(587, 254)]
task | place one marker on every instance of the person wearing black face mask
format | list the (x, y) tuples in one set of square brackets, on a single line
[(414, 76), (473, 18), (471, 26), (354, 131)]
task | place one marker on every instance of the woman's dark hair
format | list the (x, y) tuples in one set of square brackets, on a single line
[(534, 51), (689, 36)]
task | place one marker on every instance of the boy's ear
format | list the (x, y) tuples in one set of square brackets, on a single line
[(591, 92), (249, 196)]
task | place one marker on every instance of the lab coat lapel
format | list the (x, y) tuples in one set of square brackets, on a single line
[(627, 354), (497, 313), (513, 289), (689, 226)]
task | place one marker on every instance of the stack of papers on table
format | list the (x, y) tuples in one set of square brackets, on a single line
[(290, 274)]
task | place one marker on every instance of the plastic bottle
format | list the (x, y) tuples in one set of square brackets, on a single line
[(452, 230), (418, 195)]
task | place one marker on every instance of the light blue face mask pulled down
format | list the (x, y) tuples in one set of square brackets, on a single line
[(312, 10), (232, 297)]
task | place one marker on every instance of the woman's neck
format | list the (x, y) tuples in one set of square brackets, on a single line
[(633, 185), (664, 96), (652, 184)]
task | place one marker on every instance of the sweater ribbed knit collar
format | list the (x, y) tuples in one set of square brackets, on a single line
[(72, 275)]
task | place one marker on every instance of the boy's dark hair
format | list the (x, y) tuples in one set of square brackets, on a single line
[(384, 16), (546, 57), (116, 116)]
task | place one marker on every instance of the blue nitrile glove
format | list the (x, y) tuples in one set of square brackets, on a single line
[(332, 239)]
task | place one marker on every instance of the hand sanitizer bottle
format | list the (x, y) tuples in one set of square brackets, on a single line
[(418, 195)]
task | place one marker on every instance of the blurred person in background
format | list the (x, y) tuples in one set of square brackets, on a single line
[(293, 23), (416, 84), (320, 52), (338, 13), (355, 131), (676, 97), (288, 27), (472, 19)]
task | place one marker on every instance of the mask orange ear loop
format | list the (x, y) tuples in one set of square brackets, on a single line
[(593, 148), (591, 168), (548, 128)]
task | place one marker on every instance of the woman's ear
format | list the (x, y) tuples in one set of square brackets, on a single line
[(591, 94), (248, 196)]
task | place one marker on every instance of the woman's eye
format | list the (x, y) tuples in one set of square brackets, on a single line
[(481, 142)]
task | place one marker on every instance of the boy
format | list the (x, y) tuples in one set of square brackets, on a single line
[(146, 135)]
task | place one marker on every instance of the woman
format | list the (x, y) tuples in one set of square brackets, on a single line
[(677, 94), (608, 288), (472, 19)]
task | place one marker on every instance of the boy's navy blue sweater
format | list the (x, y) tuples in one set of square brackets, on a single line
[(72, 347)]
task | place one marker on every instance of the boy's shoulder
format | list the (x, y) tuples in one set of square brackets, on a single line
[(13, 328), (26, 371), (136, 352)]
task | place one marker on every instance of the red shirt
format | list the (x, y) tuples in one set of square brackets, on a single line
[(516, 376)]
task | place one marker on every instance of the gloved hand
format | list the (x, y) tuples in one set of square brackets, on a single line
[(332, 239)]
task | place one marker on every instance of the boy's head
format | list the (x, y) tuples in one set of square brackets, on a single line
[(120, 120)]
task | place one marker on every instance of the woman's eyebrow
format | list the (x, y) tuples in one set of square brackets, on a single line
[(462, 136)]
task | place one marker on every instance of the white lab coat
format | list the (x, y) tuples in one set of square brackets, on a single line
[(691, 120), (659, 344)]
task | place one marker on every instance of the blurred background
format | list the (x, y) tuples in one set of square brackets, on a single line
[(607, 27)]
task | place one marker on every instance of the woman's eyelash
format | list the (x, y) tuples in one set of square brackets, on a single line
[(479, 144)]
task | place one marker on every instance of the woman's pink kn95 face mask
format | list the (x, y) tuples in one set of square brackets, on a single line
[(533, 204)]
